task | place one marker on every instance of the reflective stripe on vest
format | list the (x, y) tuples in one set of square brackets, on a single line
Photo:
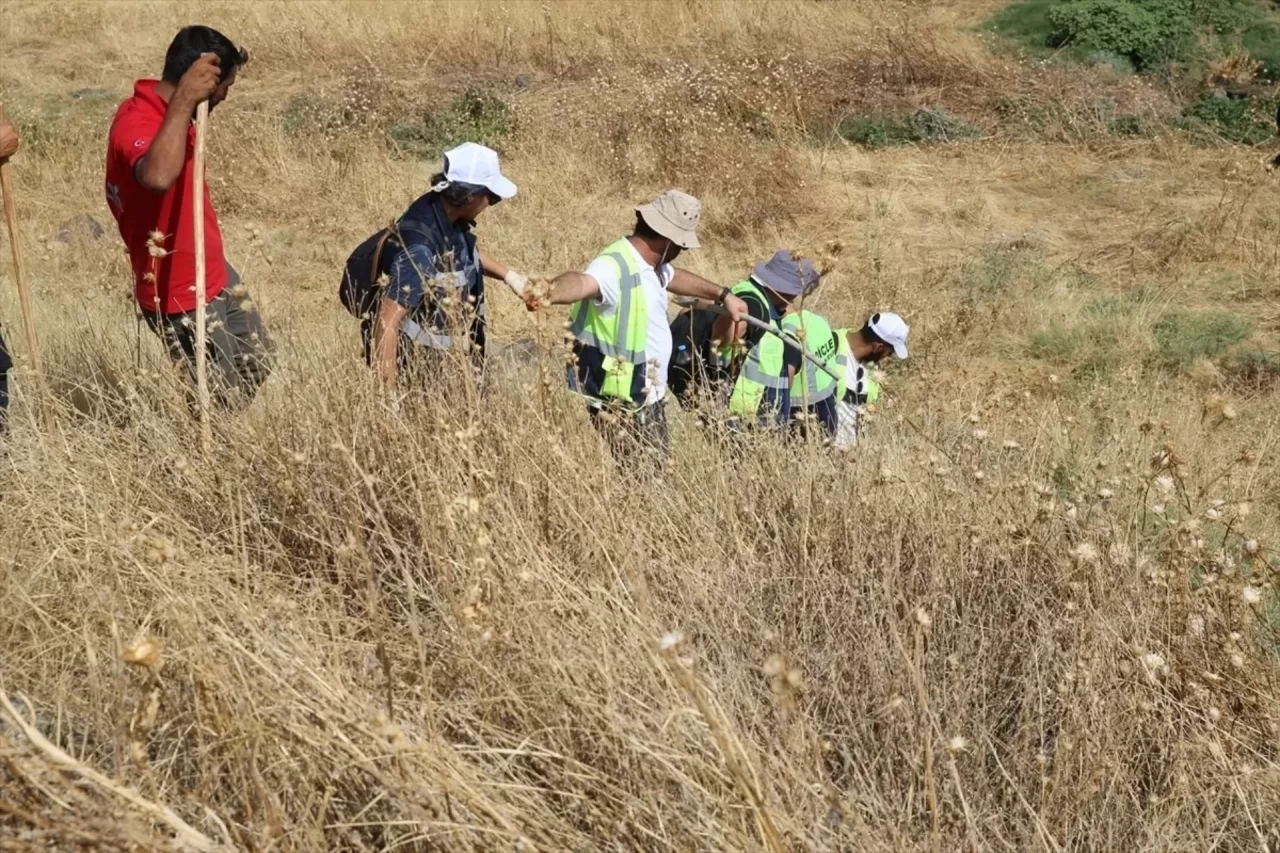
[(423, 338), (814, 385), (619, 337), (762, 379)]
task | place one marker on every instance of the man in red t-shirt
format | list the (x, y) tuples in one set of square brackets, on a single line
[(150, 151)]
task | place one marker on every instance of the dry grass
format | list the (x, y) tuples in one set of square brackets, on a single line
[(1035, 612)]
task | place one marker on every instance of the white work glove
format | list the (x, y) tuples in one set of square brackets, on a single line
[(516, 281)]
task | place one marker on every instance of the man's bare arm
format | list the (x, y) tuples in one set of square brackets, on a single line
[(685, 283), (491, 267), (386, 340), (571, 287)]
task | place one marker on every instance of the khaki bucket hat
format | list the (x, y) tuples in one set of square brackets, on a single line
[(675, 216)]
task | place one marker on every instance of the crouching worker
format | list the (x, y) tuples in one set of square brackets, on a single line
[(813, 390), (432, 304), (150, 153), (622, 342), (760, 366), (883, 334)]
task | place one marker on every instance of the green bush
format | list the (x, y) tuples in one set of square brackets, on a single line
[(922, 126), (1246, 121), (1055, 343), (474, 116), (1089, 348), (1262, 40), (1026, 21), (1184, 336), (1092, 344), (1140, 33)]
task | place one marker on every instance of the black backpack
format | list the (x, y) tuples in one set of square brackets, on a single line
[(693, 362), (360, 289)]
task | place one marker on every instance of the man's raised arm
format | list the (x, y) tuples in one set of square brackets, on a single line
[(160, 167)]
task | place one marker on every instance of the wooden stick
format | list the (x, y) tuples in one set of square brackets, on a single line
[(187, 836), (197, 212), (786, 338), (20, 270)]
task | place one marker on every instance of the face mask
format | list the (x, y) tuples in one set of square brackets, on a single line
[(670, 253)]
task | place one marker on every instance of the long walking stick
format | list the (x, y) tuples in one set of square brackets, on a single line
[(20, 270), (787, 338), (197, 212)]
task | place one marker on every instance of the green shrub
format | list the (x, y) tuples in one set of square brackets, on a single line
[(1026, 21), (1090, 349), (1091, 345), (1055, 343), (1253, 369), (1184, 336), (1140, 33), (474, 116), (328, 114), (1262, 40), (1241, 120), (923, 126)]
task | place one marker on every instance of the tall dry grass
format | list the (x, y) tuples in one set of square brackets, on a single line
[(1035, 611)]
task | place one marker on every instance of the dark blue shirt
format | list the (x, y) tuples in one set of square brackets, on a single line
[(439, 258)]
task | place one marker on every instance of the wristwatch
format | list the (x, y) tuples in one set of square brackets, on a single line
[(724, 294)]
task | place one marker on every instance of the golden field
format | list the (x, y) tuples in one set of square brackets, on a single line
[(1036, 609)]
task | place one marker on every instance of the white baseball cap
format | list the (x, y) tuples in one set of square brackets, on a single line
[(891, 329), (475, 164)]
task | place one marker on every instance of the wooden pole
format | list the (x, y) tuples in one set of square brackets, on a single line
[(197, 212), (20, 270), (786, 338)]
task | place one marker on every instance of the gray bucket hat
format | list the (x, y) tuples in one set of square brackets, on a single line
[(784, 275)]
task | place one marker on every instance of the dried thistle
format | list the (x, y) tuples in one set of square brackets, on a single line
[(144, 652)]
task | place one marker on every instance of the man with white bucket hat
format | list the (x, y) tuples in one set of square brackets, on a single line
[(621, 337)]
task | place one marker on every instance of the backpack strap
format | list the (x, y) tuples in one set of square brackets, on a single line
[(377, 255)]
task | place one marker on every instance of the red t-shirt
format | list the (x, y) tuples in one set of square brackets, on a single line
[(163, 283)]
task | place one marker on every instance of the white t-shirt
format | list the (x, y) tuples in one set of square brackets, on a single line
[(847, 415), (653, 287), (846, 437)]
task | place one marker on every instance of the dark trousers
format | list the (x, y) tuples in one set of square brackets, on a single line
[(5, 364), (635, 437), (238, 351)]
